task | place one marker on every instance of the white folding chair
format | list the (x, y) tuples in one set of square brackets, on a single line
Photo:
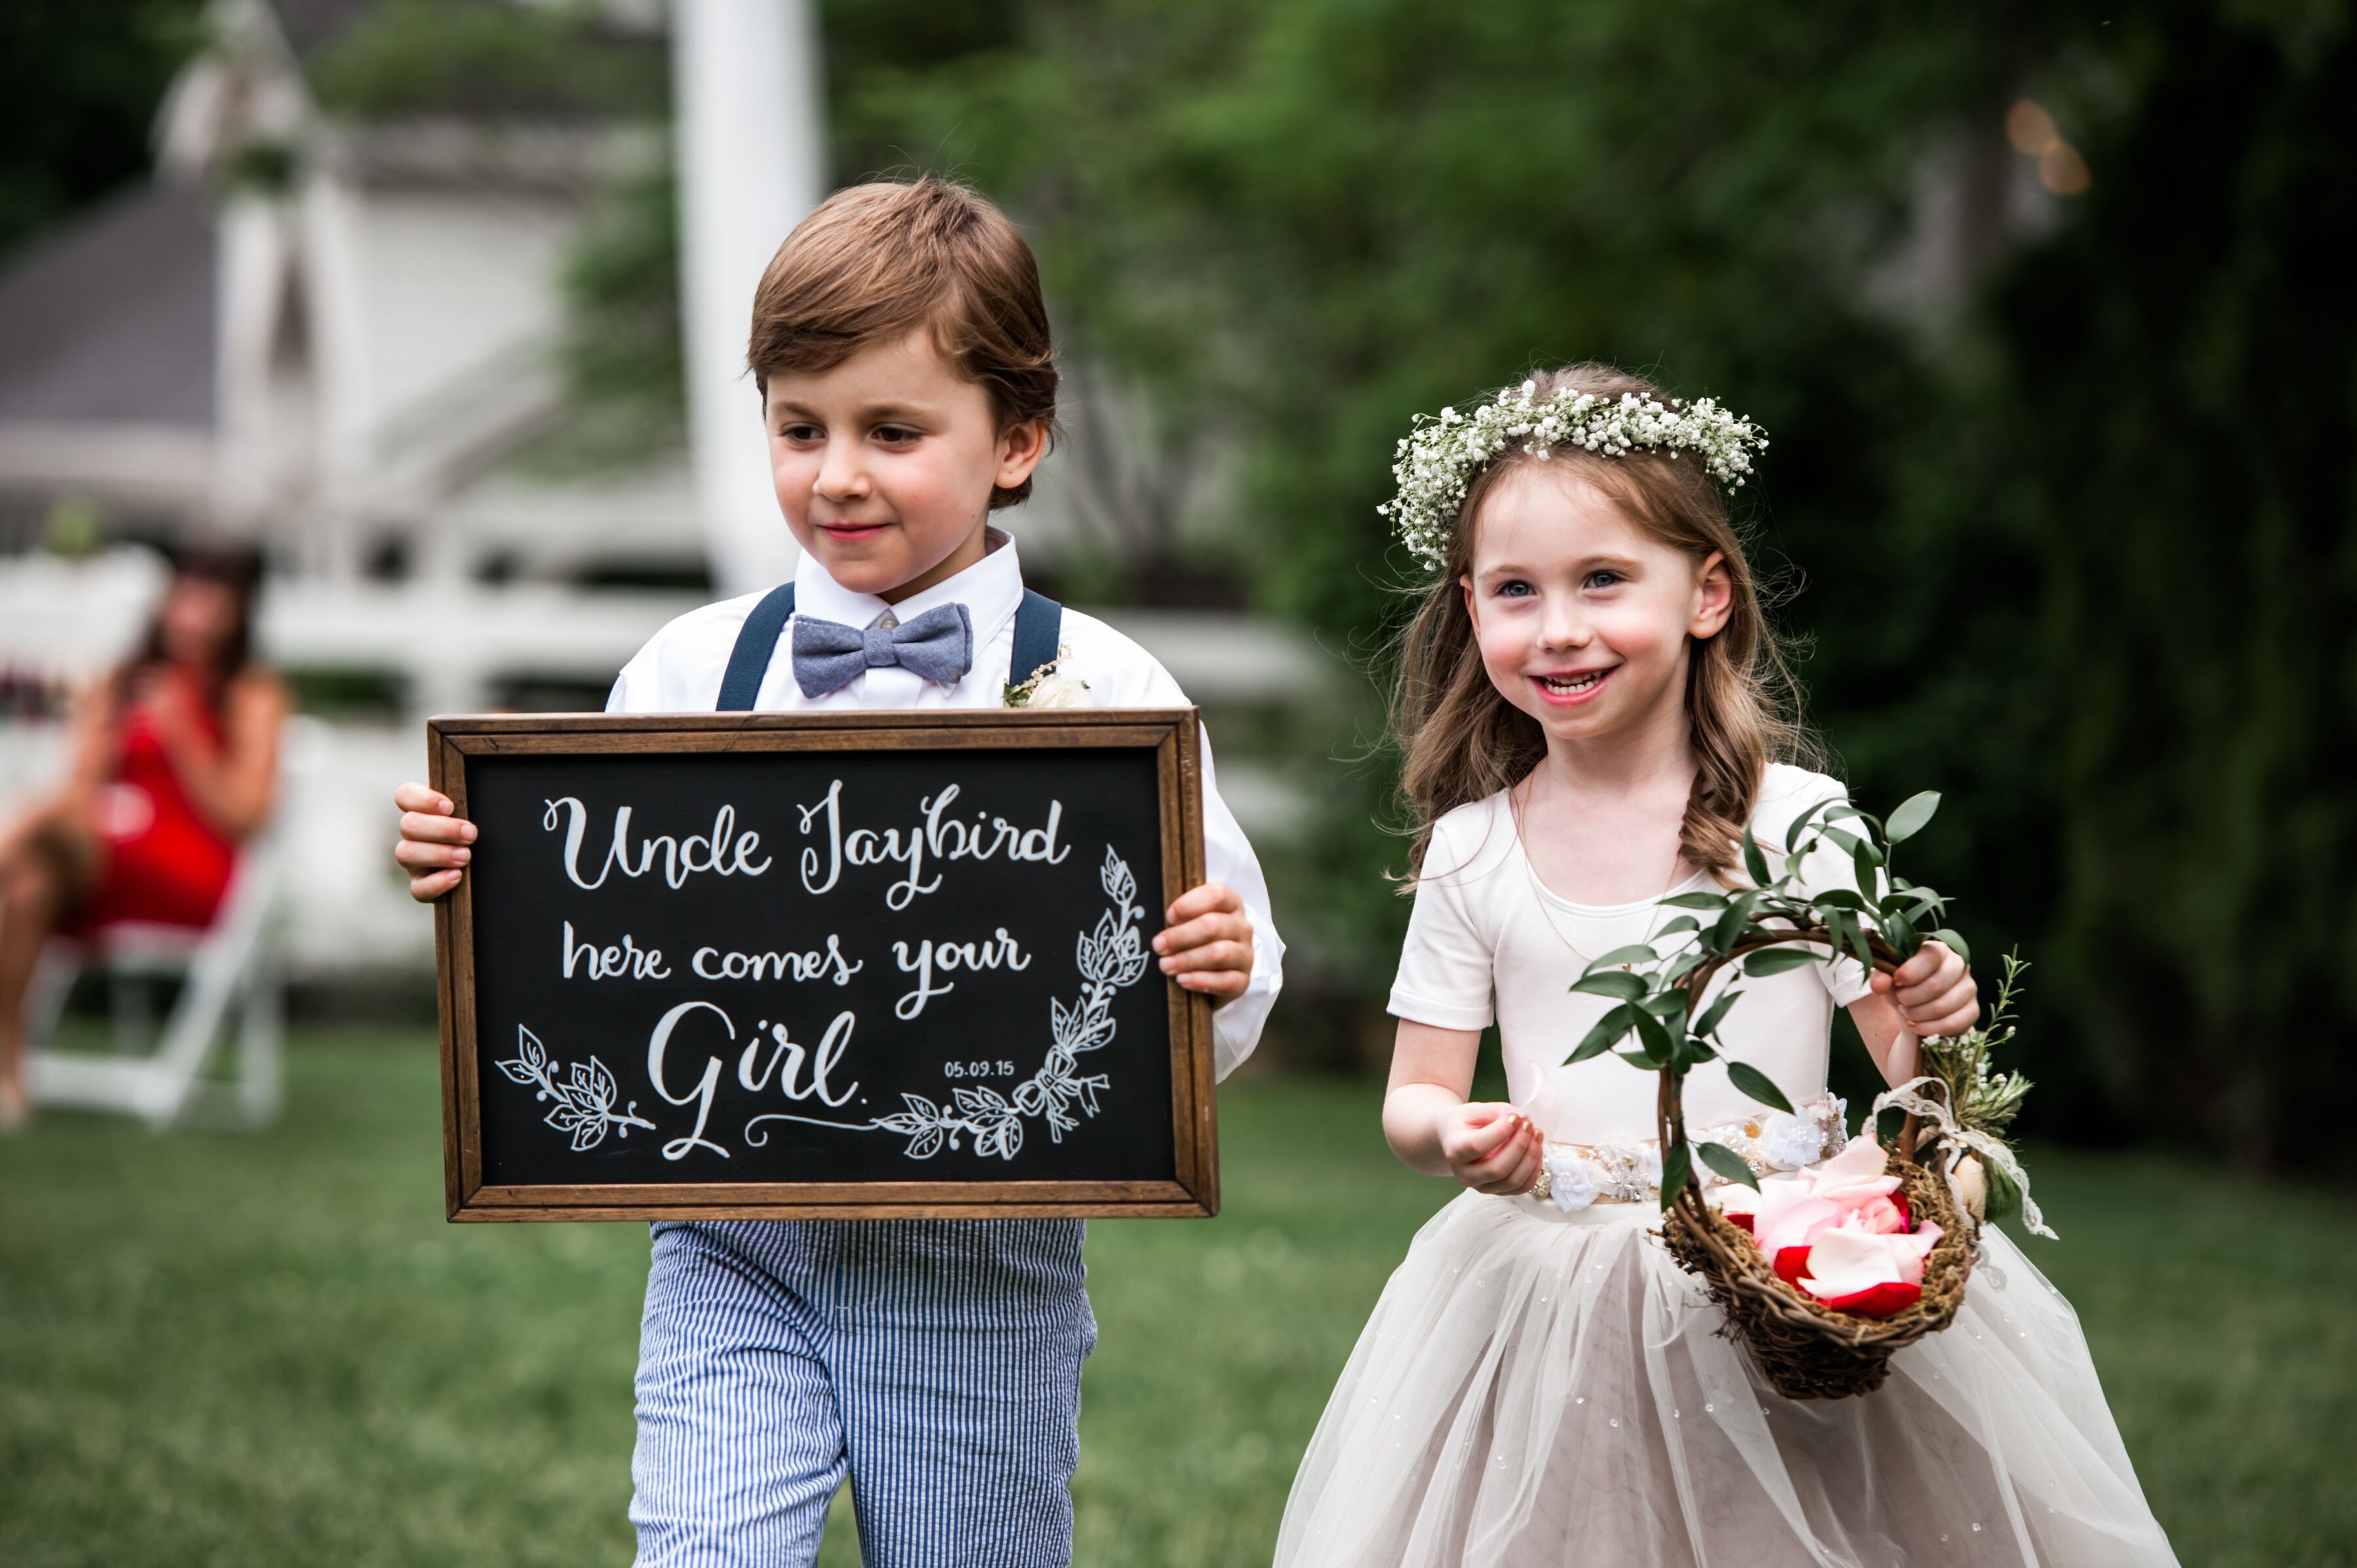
[(162, 1079)]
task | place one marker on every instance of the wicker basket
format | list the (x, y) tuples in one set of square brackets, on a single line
[(1805, 1349)]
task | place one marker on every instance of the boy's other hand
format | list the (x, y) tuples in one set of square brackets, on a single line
[(1208, 945), (433, 847), (1933, 991), (1490, 1148)]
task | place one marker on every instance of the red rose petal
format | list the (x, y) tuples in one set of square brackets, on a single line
[(1906, 1215), (1743, 1221), (1791, 1262), (1878, 1301)]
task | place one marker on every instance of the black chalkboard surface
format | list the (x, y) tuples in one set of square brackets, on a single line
[(741, 965)]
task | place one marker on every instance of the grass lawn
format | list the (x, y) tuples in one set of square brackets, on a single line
[(254, 1350)]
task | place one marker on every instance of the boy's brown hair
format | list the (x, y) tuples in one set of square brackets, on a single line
[(875, 262)]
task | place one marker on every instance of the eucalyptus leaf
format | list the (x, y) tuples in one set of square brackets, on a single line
[(1608, 1031), (1640, 1060), (1683, 923), (1963, 950), (1636, 952), (1656, 1040), (1726, 1163), (1730, 924), (1839, 899), (1677, 1166), (1665, 1004), (1912, 815), (1778, 960), (1758, 1085), (1865, 862), (1754, 861), (1800, 825), (1694, 901), (1713, 1014), (1617, 983)]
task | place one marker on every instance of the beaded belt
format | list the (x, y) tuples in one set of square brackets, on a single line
[(1574, 1175)]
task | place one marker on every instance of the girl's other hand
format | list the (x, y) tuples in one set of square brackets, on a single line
[(1933, 991), (1208, 945), (1490, 1148), (433, 847)]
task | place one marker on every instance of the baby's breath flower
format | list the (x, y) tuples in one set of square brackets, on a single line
[(1439, 457)]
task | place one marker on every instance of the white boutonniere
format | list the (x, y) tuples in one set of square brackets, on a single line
[(1050, 686)]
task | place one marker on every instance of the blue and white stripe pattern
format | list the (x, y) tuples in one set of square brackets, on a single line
[(936, 1362)]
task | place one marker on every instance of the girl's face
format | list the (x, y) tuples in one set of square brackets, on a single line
[(884, 465), (1582, 617)]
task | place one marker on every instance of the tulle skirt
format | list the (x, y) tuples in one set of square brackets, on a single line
[(1537, 1388)]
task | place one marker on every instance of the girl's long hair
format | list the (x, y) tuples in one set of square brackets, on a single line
[(1461, 740)]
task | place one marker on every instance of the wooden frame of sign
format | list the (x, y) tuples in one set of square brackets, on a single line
[(1136, 782)]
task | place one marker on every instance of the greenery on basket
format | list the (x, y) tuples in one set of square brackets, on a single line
[(1980, 1100), (1765, 929)]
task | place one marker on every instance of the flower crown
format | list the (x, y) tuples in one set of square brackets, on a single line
[(1439, 458)]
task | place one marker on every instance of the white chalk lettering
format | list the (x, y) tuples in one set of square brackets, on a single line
[(613, 961), (724, 852), (1001, 951), (831, 1048), (828, 963), (937, 834), (707, 1088)]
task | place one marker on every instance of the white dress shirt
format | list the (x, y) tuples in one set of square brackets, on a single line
[(679, 667)]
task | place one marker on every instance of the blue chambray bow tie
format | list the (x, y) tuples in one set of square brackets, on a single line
[(937, 645)]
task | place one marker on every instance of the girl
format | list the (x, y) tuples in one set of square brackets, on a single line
[(1590, 703), (175, 762)]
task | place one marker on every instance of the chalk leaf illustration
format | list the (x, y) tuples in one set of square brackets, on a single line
[(583, 1104)]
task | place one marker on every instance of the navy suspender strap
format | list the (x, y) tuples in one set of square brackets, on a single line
[(757, 643), (1038, 632)]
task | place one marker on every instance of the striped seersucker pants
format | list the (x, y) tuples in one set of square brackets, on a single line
[(936, 1362)]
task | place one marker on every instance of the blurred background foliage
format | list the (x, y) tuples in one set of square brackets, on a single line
[(2062, 397), (2063, 485)]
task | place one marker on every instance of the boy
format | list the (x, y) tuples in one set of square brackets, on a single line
[(907, 382)]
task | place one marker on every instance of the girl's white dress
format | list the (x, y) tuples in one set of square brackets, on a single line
[(1541, 1387)]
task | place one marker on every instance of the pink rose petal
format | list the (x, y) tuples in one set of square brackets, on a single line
[(1844, 1263), (1794, 1223)]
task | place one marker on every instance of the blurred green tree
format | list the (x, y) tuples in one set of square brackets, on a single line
[(79, 80), (2075, 542)]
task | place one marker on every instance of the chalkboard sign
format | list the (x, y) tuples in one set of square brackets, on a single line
[(855, 965)]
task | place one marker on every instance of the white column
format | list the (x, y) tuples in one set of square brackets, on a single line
[(752, 161)]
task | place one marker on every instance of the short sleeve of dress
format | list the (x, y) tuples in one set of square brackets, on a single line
[(1444, 971), (1788, 793)]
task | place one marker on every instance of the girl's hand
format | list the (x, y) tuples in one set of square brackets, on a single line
[(1490, 1148), (433, 847), (1933, 991), (1208, 945)]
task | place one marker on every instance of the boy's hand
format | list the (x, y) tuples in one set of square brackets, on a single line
[(433, 847), (1490, 1148), (1208, 945), (1933, 991)]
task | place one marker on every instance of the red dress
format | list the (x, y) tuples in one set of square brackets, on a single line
[(164, 864)]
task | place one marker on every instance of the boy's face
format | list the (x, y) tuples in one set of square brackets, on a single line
[(884, 465)]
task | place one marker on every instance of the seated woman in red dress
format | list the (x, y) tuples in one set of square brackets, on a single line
[(175, 762)]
